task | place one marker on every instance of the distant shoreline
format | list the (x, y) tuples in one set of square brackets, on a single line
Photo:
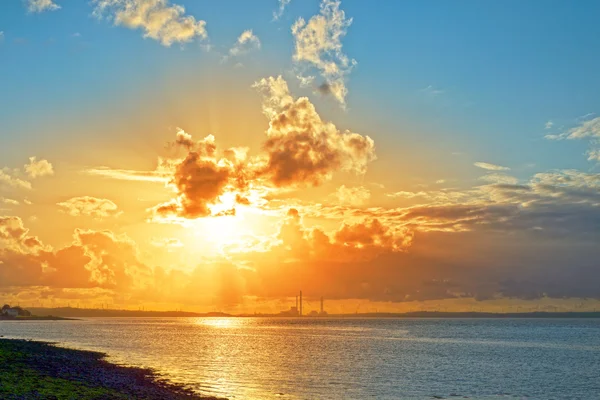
[(34, 370), (69, 312), (36, 318)]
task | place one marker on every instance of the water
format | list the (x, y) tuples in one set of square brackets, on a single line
[(253, 358)]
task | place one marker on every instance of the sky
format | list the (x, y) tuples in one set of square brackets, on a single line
[(206, 155)]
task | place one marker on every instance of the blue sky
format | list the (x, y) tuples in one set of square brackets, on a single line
[(503, 69)]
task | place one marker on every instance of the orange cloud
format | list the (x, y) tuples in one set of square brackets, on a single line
[(301, 147), (300, 150), (89, 206)]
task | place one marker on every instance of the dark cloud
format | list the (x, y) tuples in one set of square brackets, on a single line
[(324, 88), (199, 182)]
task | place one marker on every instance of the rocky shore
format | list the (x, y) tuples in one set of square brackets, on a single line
[(38, 370)]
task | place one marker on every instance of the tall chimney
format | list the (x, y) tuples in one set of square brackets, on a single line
[(301, 303), (321, 304)]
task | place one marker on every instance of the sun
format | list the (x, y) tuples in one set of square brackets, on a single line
[(222, 228), (221, 231), (225, 233)]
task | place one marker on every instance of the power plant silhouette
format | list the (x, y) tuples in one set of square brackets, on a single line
[(297, 311)]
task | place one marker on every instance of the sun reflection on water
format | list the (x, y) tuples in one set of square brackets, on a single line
[(219, 322)]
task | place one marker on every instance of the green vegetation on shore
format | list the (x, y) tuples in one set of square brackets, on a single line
[(37, 370)]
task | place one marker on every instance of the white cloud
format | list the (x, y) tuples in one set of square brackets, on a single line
[(593, 155), (38, 6), (245, 43), (279, 12), (490, 167), (158, 19), (549, 125), (305, 81), (589, 129), (39, 168), (318, 43)]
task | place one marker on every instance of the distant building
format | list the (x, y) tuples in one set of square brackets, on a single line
[(323, 312), (292, 312), (11, 312), (14, 311)]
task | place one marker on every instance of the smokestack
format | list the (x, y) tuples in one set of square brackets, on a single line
[(301, 303), (321, 304)]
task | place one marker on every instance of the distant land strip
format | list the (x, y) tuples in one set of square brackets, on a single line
[(72, 312)]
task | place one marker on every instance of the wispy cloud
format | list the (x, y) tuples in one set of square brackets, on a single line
[(432, 91), (38, 6), (318, 43), (245, 43), (279, 12), (11, 181), (129, 175), (549, 124), (586, 130), (490, 167), (158, 19), (500, 178), (9, 201), (584, 117)]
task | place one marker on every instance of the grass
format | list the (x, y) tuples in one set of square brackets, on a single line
[(19, 380), (37, 370)]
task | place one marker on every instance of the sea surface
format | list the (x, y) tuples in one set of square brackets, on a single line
[(264, 358)]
